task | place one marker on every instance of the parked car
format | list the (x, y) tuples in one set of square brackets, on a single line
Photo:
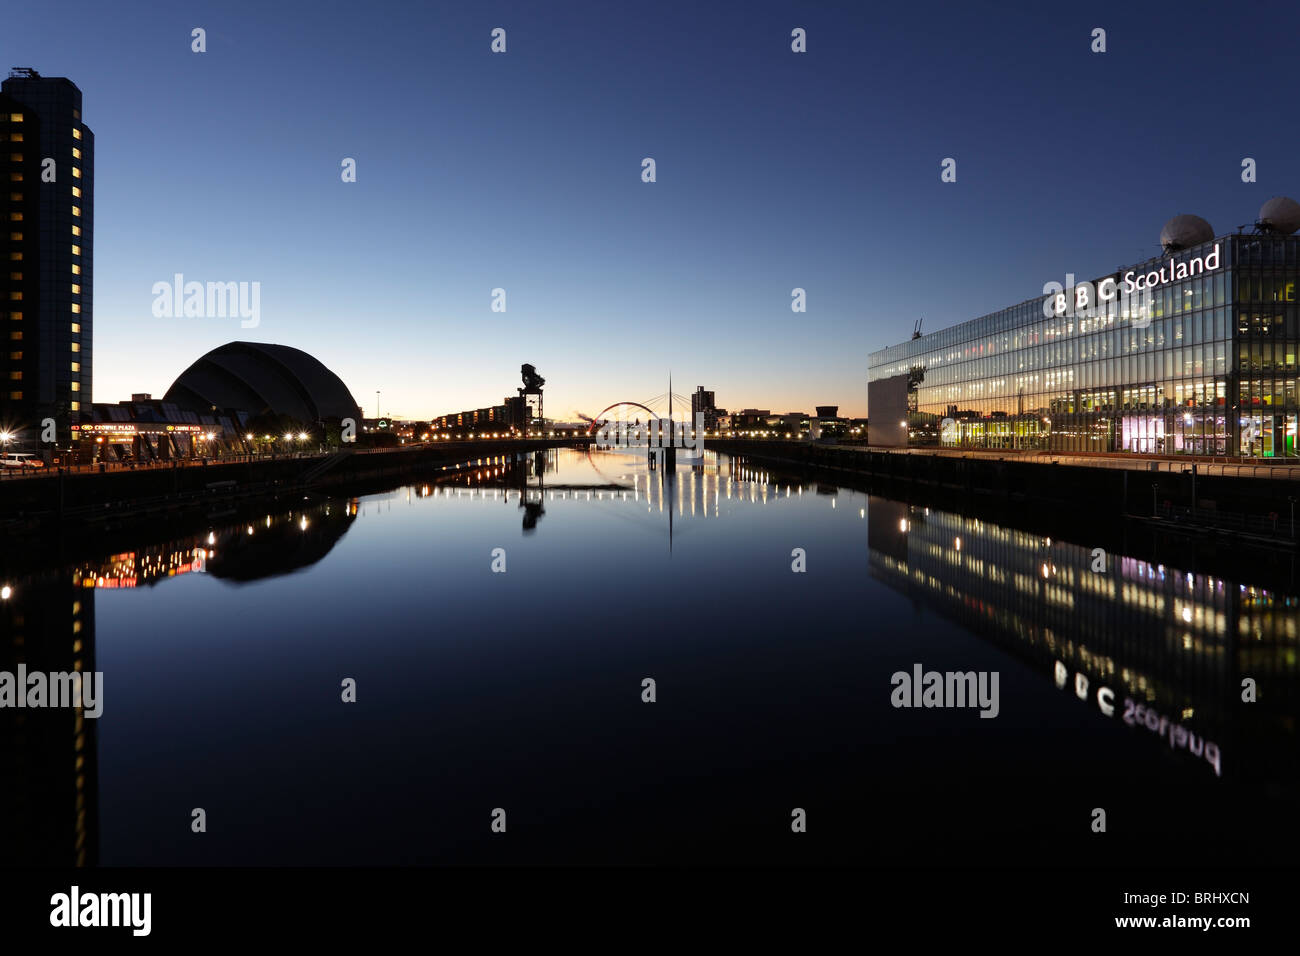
[(20, 459)]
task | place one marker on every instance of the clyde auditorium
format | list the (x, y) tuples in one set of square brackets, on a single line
[(210, 407), (1191, 353)]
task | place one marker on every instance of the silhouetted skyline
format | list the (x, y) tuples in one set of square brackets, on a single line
[(522, 171)]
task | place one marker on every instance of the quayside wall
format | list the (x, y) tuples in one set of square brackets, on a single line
[(89, 499)]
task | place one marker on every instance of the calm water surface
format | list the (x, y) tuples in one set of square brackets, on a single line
[(223, 655)]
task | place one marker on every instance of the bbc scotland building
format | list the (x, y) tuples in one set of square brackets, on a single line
[(1190, 353)]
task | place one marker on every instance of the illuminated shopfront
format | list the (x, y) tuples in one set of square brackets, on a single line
[(140, 441)]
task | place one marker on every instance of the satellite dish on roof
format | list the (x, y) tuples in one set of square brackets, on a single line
[(1279, 216), (1185, 231)]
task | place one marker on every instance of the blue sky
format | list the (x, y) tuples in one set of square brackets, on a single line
[(522, 171)]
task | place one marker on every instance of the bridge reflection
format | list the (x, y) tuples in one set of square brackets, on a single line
[(694, 491)]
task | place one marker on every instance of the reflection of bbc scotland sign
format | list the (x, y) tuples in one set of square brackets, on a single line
[(949, 434)]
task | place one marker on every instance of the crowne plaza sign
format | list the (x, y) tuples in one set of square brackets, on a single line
[(133, 428)]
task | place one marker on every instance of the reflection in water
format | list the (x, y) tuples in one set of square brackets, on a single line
[(49, 779), (1151, 645), (1154, 647), (48, 623)]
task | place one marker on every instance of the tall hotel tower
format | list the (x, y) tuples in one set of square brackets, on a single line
[(47, 214)]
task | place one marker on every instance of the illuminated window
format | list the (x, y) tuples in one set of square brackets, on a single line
[(76, 153), (76, 250), (76, 210), (76, 172), (15, 376), (75, 406), (15, 396), (76, 114), (76, 326), (15, 117), (16, 236), (76, 192), (15, 197), (15, 257), (76, 230), (76, 133), (15, 336), (16, 276), (15, 296), (76, 308), (15, 217), (16, 316), (15, 137), (76, 366), (76, 347), (76, 269), (15, 157), (76, 386), (76, 289), (15, 177)]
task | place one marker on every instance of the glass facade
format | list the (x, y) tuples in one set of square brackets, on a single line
[(1201, 361)]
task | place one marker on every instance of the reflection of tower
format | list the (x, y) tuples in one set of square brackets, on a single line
[(533, 511), (50, 782)]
